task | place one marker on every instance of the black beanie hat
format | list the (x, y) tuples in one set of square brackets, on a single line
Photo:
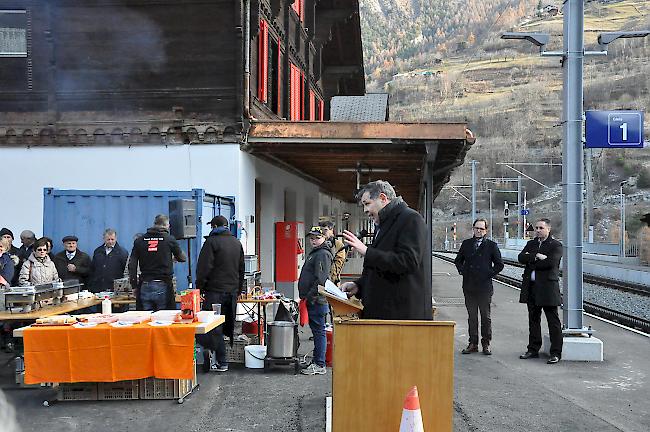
[(4, 231)]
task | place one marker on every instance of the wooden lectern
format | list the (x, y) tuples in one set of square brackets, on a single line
[(376, 362)]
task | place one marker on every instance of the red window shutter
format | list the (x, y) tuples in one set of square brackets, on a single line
[(321, 110), (294, 107), (263, 62), (312, 105), (302, 96), (279, 79)]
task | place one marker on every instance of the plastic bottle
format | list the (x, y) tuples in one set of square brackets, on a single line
[(106, 306)]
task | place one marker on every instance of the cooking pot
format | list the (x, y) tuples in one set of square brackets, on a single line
[(281, 339)]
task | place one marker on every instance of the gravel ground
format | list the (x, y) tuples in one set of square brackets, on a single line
[(629, 303)]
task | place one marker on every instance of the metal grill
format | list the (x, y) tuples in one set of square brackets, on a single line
[(450, 301)]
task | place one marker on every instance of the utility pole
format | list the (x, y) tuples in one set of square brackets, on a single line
[(520, 209), (491, 225), (474, 190), (525, 209)]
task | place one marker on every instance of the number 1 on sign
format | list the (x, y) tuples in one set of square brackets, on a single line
[(624, 127)]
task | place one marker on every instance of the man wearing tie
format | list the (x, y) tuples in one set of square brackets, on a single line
[(540, 290), (71, 263), (478, 261)]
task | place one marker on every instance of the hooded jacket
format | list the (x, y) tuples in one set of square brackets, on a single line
[(392, 285)]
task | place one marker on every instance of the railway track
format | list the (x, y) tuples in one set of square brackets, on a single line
[(636, 322)]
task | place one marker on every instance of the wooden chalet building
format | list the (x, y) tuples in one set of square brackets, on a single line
[(84, 72), (227, 96)]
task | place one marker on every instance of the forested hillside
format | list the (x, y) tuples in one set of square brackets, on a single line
[(445, 61), (400, 35)]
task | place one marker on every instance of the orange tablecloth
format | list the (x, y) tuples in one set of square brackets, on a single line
[(108, 354)]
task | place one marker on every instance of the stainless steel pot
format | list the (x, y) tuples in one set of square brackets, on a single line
[(281, 339)]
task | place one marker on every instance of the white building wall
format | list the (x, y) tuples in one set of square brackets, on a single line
[(221, 169)]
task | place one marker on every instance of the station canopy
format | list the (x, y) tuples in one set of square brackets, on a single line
[(339, 156)]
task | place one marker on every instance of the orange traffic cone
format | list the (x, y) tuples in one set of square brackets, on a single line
[(411, 414)]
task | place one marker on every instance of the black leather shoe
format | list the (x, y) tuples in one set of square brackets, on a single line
[(486, 350), (528, 354), (553, 360), (471, 348)]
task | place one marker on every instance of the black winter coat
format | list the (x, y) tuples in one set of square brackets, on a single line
[(81, 261), (315, 271), (16, 251), (106, 268), (478, 266), (547, 272), (392, 285), (220, 267)]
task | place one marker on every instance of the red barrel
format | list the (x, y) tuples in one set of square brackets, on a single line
[(329, 332)]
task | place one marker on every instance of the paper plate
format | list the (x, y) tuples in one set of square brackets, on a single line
[(121, 324), (160, 323), (84, 325)]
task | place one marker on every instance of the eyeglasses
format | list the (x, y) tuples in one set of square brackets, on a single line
[(41, 249), (480, 229)]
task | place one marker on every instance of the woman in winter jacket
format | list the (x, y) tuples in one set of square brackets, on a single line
[(38, 268)]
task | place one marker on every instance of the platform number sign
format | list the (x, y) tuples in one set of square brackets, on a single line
[(614, 129)]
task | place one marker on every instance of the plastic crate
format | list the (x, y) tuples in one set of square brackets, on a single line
[(76, 391), (236, 354), (119, 390), (157, 388)]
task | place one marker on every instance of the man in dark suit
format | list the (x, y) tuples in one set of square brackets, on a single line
[(540, 290), (392, 285), (71, 263), (478, 261)]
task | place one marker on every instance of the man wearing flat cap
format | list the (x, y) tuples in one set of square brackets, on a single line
[(71, 263), (14, 253)]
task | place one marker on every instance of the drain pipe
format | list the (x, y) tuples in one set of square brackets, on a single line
[(247, 60)]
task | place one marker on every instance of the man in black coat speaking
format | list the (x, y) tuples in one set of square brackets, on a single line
[(478, 261), (392, 285), (540, 290)]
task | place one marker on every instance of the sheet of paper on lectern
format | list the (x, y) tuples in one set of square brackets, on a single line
[(331, 288)]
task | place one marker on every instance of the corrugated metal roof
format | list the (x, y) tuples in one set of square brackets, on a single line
[(372, 107)]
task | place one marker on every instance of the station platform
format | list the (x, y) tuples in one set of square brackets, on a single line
[(504, 393)]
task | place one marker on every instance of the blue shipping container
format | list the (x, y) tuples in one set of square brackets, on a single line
[(87, 213)]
